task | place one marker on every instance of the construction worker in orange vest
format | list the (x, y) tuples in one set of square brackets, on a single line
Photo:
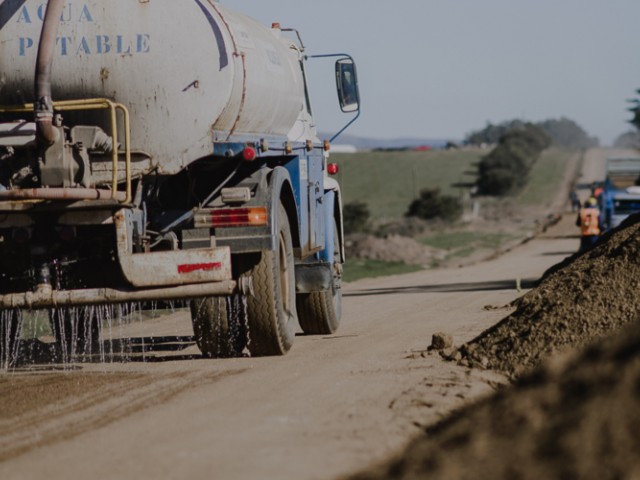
[(589, 223)]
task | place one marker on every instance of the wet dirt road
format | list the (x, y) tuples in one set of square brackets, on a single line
[(330, 407)]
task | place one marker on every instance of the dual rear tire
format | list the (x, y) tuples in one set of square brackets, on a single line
[(272, 309), (319, 312)]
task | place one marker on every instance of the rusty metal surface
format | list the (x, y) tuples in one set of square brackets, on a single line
[(47, 298), (173, 267), (61, 194), (170, 63), (45, 131)]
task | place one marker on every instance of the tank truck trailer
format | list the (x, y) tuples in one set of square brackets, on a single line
[(164, 151)]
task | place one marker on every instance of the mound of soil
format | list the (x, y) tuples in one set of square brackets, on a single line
[(392, 248), (587, 296), (577, 420)]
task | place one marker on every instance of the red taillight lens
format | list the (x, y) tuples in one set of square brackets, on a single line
[(249, 154), (332, 168), (239, 217)]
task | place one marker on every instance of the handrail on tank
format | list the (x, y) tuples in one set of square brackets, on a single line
[(97, 104)]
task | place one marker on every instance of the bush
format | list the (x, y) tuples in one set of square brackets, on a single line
[(500, 181), (432, 205), (355, 217), (506, 168)]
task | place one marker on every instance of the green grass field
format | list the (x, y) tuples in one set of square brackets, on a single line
[(389, 181), (545, 178), (460, 244), (358, 268)]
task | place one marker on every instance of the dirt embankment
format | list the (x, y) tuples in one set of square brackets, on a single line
[(586, 297), (576, 415), (578, 421)]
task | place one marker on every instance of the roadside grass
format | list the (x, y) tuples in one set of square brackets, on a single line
[(461, 244), (358, 268), (545, 178), (389, 181)]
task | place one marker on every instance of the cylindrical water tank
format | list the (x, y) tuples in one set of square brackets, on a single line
[(190, 71)]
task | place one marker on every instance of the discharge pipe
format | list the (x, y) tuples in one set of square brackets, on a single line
[(46, 133)]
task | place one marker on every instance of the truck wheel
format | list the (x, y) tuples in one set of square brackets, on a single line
[(76, 330), (10, 331), (319, 312), (271, 308), (218, 329)]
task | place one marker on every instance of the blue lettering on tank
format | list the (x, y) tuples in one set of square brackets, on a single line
[(120, 45), (85, 15), (65, 16), (19, 12), (83, 47), (103, 44), (24, 44), (63, 42), (24, 16), (143, 43)]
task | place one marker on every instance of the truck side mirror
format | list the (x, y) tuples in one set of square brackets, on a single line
[(347, 84)]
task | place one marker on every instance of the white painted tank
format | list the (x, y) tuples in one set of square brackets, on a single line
[(189, 71)]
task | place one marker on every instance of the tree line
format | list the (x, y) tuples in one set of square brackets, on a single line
[(563, 132)]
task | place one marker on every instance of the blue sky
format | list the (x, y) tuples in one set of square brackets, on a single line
[(441, 68)]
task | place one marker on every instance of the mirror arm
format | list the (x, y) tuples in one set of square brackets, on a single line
[(345, 127), (341, 55)]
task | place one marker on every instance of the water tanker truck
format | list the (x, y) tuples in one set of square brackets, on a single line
[(161, 151)]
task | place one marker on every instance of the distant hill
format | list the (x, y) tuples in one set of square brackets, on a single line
[(364, 143)]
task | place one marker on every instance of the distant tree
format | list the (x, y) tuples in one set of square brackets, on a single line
[(500, 181), (562, 132), (567, 133), (506, 168), (491, 134), (355, 217), (635, 110), (628, 140), (432, 205)]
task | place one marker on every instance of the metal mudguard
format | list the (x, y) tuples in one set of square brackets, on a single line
[(167, 268), (165, 275)]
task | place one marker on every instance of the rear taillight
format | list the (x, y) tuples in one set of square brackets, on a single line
[(249, 154), (238, 217)]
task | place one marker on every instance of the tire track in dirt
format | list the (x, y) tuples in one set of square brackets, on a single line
[(35, 412)]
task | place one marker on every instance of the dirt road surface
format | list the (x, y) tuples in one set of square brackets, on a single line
[(330, 407)]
